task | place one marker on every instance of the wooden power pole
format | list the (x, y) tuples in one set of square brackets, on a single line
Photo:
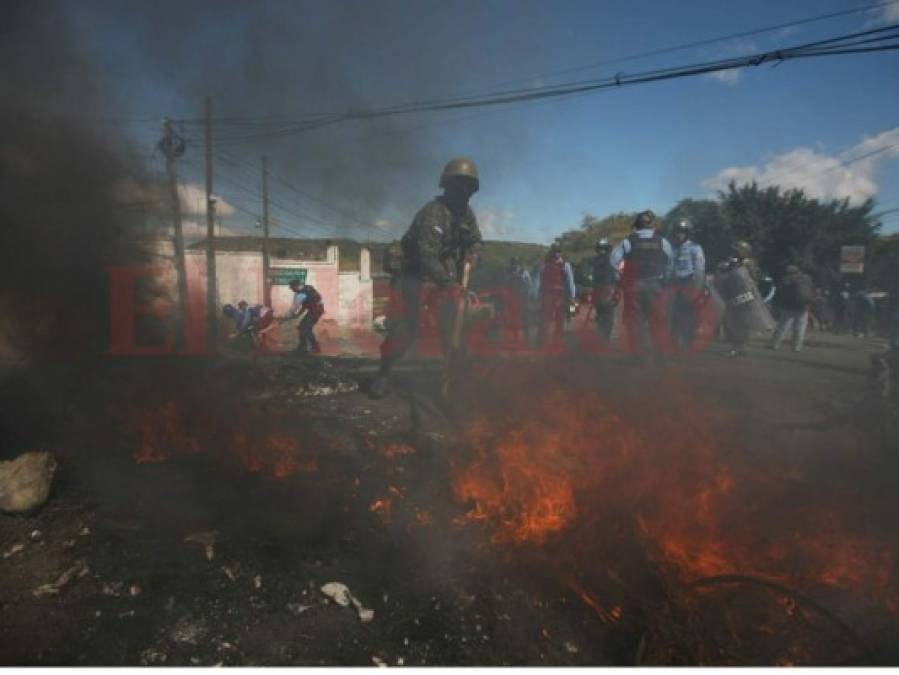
[(211, 280), (172, 146), (266, 261)]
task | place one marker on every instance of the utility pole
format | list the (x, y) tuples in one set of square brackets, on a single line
[(172, 146), (211, 281), (266, 261)]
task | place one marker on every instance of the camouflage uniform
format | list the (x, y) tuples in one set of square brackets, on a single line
[(433, 253)]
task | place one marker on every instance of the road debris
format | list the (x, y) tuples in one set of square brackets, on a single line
[(296, 608), (571, 648), (113, 589), (153, 657), (36, 536), (25, 481), (257, 582), (76, 571), (340, 593), (378, 662), (188, 630), (231, 571), (9, 553), (207, 539)]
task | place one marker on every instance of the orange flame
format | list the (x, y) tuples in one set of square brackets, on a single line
[(573, 460), (162, 436)]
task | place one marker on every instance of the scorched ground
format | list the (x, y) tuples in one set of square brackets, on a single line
[(201, 505)]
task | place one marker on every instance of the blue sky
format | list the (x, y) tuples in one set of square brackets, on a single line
[(543, 165)]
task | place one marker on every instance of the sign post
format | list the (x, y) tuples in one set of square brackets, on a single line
[(281, 276), (852, 259)]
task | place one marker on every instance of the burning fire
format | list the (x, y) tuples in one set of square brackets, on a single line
[(568, 467), (162, 435)]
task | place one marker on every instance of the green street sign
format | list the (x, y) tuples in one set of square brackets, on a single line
[(282, 276)]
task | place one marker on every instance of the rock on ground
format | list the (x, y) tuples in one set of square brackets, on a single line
[(25, 481)]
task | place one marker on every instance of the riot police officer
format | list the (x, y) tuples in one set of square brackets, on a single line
[(605, 292), (745, 311), (647, 258), (688, 283), (443, 235)]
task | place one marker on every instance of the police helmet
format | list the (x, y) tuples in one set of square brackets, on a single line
[(644, 219), (743, 249), (460, 167), (603, 245), (682, 225), (229, 311)]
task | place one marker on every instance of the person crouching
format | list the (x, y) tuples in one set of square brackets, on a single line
[(308, 308)]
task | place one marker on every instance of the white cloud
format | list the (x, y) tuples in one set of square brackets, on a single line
[(821, 176), (729, 77), (882, 16), (495, 223), (731, 49)]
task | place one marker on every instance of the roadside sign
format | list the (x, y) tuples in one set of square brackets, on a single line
[(852, 259), (282, 276)]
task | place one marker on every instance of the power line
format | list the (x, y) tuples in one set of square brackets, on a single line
[(854, 43), (256, 195), (701, 43), (342, 212)]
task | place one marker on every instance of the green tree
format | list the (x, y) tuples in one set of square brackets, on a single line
[(577, 245), (788, 227)]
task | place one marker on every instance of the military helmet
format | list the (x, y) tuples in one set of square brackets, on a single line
[(743, 249), (603, 245), (555, 248), (682, 225), (460, 166), (644, 219)]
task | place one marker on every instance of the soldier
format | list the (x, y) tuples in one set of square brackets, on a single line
[(647, 258), (443, 236), (557, 292), (688, 283), (605, 292)]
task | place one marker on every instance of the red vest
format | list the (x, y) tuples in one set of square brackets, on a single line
[(554, 277)]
